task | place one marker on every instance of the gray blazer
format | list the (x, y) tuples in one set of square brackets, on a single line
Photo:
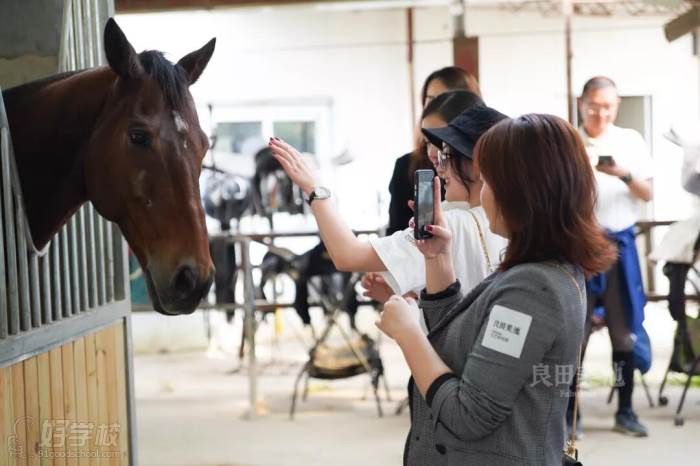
[(512, 345)]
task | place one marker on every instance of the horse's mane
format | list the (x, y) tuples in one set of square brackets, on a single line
[(170, 77)]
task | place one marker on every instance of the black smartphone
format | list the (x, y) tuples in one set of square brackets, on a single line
[(423, 205), (605, 160)]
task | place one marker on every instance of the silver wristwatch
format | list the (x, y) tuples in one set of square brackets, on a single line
[(319, 192)]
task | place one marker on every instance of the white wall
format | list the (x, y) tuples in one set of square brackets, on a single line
[(522, 69), (357, 62), (355, 59)]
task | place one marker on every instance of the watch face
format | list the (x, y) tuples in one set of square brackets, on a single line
[(322, 192)]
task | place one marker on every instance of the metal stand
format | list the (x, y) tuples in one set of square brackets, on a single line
[(335, 309), (250, 306), (249, 327)]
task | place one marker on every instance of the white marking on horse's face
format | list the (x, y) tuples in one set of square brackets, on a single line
[(139, 184), (181, 127), (180, 124)]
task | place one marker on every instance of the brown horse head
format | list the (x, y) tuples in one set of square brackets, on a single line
[(142, 166)]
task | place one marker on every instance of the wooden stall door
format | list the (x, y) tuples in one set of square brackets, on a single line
[(67, 407)]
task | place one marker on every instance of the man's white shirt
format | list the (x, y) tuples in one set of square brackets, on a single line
[(617, 207)]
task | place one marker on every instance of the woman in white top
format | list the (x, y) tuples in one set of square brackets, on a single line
[(475, 247)]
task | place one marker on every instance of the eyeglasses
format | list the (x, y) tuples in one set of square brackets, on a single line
[(595, 109), (442, 156)]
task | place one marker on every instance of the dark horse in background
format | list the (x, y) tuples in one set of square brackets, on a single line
[(125, 137)]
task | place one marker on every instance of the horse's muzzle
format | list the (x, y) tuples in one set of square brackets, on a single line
[(184, 292)]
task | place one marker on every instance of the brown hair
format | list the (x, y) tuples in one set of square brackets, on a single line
[(453, 78), (543, 185)]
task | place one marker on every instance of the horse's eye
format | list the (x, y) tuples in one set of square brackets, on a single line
[(140, 138)]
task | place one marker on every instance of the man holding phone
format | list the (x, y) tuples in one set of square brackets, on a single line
[(623, 170)]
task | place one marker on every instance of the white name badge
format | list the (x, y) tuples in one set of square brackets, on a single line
[(506, 331)]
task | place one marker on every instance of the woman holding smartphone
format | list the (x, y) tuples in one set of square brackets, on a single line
[(479, 399), (397, 254)]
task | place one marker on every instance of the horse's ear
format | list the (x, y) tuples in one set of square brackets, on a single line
[(195, 62), (121, 56)]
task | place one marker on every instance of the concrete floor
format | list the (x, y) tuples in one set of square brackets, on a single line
[(192, 411)]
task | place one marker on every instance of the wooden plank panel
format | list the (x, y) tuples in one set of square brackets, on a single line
[(120, 353), (102, 420), (112, 403), (69, 401), (44, 404), (57, 412), (93, 411), (31, 402), (6, 416), (81, 396), (19, 413)]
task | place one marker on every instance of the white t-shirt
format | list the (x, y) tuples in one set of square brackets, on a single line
[(406, 265), (617, 208)]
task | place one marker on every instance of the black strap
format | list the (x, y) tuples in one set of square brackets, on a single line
[(435, 386)]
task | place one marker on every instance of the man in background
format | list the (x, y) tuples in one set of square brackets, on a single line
[(616, 299)]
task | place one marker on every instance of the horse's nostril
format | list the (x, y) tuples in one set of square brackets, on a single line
[(185, 281)]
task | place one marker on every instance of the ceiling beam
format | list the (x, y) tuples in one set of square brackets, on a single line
[(141, 6), (683, 24)]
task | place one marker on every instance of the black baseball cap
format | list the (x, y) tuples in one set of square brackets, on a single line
[(462, 133)]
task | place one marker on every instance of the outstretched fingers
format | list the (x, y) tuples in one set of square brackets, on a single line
[(286, 155), (283, 159)]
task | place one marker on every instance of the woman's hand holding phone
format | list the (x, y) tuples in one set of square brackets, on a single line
[(441, 242), (439, 267)]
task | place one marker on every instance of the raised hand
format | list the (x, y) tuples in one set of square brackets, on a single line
[(293, 164)]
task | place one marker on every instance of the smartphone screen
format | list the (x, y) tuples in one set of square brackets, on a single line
[(423, 207)]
